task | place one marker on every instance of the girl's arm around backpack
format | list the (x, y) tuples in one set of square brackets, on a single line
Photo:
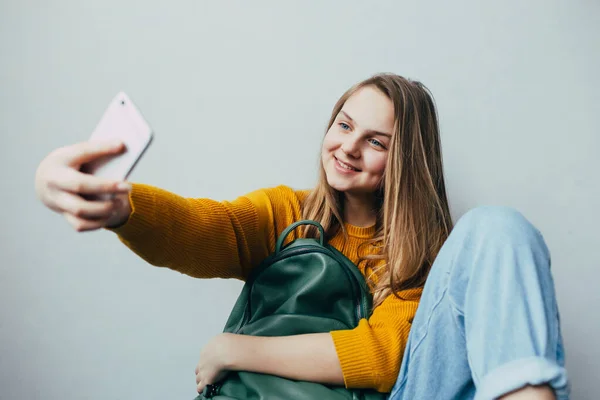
[(367, 356)]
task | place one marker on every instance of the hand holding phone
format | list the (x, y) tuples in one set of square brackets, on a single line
[(107, 159), (123, 121), (61, 187)]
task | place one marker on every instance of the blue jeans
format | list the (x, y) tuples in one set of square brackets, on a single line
[(488, 322)]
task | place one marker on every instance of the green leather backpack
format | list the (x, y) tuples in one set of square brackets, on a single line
[(305, 287)]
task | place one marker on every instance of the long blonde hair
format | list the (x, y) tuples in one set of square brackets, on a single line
[(414, 217)]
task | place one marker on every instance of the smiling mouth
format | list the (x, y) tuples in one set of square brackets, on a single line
[(343, 165)]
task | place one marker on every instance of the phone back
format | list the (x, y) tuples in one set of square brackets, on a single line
[(123, 121)]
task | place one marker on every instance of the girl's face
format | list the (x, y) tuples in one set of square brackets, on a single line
[(355, 149)]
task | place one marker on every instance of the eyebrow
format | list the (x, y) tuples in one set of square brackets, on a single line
[(367, 130)]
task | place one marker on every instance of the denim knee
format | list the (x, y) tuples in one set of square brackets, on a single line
[(484, 236), (499, 223)]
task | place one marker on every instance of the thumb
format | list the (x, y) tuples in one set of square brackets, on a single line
[(85, 152)]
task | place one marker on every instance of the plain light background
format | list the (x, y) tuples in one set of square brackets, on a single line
[(239, 94)]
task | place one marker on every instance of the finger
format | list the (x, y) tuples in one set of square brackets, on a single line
[(78, 207), (78, 182), (84, 152), (198, 378), (84, 225)]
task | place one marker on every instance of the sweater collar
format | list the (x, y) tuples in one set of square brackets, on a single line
[(360, 232)]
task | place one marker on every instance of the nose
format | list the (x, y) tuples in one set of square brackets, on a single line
[(351, 147)]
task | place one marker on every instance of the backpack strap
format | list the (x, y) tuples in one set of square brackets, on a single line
[(289, 229)]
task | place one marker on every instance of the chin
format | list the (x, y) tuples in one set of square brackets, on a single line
[(335, 184), (346, 188), (341, 186)]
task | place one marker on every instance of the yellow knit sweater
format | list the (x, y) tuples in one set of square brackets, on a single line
[(204, 238)]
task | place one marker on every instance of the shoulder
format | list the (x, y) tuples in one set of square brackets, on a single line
[(278, 195), (277, 208)]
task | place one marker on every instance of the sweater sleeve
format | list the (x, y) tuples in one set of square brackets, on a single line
[(205, 238), (371, 354)]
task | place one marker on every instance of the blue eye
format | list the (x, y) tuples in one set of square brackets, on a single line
[(377, 143), (344, 126)]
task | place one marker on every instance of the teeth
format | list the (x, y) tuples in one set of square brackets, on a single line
[(346, 166)]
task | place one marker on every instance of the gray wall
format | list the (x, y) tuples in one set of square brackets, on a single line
[(239, 95)]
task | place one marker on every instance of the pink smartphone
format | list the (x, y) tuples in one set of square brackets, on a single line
[(121, 120)]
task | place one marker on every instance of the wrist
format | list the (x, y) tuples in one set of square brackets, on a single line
[(231, 351), (121, 212)]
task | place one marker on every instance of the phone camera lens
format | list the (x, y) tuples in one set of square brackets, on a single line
[(122, 102)]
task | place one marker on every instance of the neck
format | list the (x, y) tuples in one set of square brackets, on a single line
[(360, 209)]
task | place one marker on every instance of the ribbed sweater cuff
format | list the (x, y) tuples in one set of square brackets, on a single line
[(354, 360), (142, 202)]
